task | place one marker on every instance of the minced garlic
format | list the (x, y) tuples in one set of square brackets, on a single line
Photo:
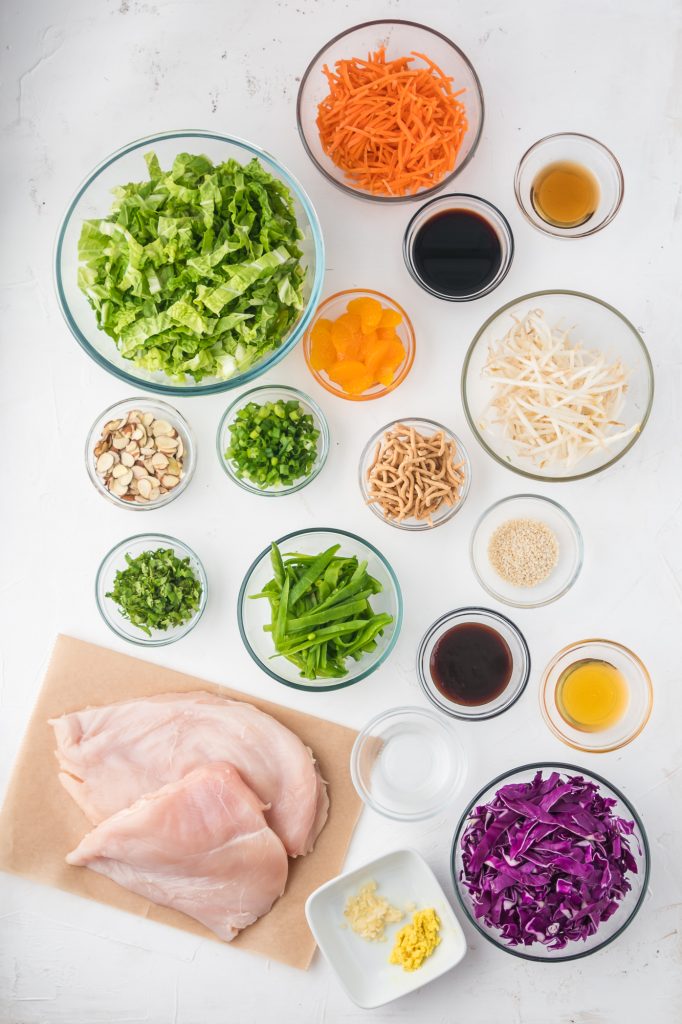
[(416, 941), (368, 914)]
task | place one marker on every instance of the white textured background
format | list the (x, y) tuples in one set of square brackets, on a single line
[(80, 78)]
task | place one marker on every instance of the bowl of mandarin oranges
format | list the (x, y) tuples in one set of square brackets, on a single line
[(360, 344)]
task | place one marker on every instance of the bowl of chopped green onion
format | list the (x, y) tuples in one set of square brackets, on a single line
[(320, 609), (151, 589), (273, 440)]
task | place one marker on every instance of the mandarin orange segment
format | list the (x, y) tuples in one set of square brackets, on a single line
[(369, 310), (390, 318), (377, 355), (396, 354), (351, 375)]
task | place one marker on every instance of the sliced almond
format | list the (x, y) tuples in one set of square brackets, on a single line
[(111, 426), (165, 443), (119, 471), (139, 472), (118, 488), (159, 460), (160, 427), (127, 459), (120, 441), (174, 466), (169, 481), (126, 478), (144, 487), (148, 418), (105, 462)]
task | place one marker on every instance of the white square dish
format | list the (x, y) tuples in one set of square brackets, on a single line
[(362, 967)]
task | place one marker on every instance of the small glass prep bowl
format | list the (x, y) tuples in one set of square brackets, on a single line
[(597, 326), (332, 308), (445, 512), (473, 204), (627, 907), (520, 663), (401, 38), (641, 696), (261, 395), (115, 560), (407, 764), (564, 528), (252, 615), (579, 149), (94, 198), (161, 411)]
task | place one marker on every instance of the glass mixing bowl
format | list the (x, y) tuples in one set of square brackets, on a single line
[(94, 198)]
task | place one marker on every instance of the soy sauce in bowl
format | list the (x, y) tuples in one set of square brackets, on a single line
[(457, 253), (471, 664), (458, 247)]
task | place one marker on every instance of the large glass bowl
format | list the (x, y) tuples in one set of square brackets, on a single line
[(253, 615), (401, 38), (94, 198), (627, 907), (598, 326)]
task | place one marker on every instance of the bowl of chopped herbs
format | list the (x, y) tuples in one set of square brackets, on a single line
[(151, 589), (320, 609), (273, 440)]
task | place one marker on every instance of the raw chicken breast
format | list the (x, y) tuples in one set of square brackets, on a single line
[(110, 756), (200, 845)]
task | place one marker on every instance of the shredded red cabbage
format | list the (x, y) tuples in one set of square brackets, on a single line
[(546, 861)]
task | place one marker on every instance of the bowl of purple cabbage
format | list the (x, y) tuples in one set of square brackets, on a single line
[(550, 862)]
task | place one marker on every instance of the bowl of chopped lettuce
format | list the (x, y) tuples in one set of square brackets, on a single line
[(188, 263), (550, 862)]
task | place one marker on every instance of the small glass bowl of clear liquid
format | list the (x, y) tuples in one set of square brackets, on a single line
[(408, 764)]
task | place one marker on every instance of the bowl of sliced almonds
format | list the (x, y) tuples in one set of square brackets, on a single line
[(140, 454)]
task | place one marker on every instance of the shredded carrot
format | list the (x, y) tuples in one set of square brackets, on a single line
[(393, 129)]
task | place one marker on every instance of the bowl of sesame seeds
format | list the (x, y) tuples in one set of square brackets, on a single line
[(526, 550)]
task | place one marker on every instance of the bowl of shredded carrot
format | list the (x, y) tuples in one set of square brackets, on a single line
[(360, 344), (390, 110)]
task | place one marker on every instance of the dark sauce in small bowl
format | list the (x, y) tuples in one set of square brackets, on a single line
[(471, 664), (457, 253)]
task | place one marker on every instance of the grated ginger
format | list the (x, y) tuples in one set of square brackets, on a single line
[(368, 914), (416, 941)]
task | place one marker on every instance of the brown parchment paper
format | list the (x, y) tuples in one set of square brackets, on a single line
[(40, 823)]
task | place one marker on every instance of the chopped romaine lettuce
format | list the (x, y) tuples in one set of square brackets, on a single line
[(196, 272)]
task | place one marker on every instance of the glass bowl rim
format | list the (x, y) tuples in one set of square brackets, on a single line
[(423, 527), (437, 624), (363, 734), (361, 194), (189, 624), (538, 476), (321, 458), (397, 623), (184, 481), (237, 380), (575, 530), (573, 769), (555, 231), (332, 388), (507, 258), (609, 644)]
